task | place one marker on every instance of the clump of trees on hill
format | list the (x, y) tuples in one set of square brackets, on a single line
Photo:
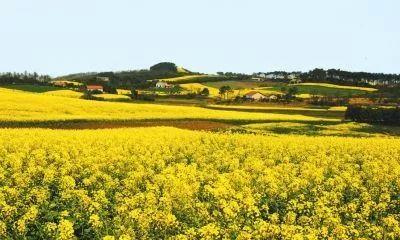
[(139, 79), (164, 67), (24, 78), (374, 115)]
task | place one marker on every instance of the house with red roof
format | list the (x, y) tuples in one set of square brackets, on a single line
[(92, 88)]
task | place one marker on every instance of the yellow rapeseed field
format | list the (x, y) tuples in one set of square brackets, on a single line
[(21, 106), (64, 93), (184, 78), (197, 87), (165, 183)]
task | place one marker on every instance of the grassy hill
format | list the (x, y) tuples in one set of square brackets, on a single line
[(130, 77)]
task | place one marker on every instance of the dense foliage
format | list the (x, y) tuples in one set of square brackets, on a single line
[(23, 78), (338, 76), (164, 183), (164, 67), (237, 76), (125, 79), (376, 115), (129, 79)]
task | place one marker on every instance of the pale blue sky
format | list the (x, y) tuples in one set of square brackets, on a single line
[(66, 36)]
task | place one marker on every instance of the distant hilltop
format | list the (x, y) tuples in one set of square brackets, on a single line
[(159, 70)]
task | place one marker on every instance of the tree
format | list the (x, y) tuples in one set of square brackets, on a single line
[(293, 91), (239, 91), (134, 93), (314, 93), (110, 89), (290, 93), (176, 89), (205, 92), (224, 91), (24, 78), (318, 74)]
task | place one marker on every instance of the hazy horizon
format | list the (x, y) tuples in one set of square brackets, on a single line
[(63, 37)]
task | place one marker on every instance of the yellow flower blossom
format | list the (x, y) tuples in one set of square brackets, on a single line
[(65, 230), (165, 183)]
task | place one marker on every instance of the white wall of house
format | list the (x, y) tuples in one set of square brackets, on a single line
[(256, 96), (162, 85)]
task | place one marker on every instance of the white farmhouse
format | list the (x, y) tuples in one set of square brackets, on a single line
[(275, 76), (163, 85), (254, 95)]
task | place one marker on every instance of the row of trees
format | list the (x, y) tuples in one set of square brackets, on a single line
[(350, 78), (237, 76), (23, 78), (338, 76), (376, 115)]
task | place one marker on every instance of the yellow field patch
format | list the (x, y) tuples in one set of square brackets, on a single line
[(190, 77), (196, 87), (64, 93), (123, 91), (21, 106), (107, 96), (277, 108), (337, 86), (65, 81)]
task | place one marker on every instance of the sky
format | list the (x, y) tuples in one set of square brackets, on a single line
[(58, 37)]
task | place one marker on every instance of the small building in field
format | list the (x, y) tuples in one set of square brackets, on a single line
[(103, 79), (92, 88), (163, 85), (59, 83), (295, 81), (273, 97), (275, 76), (262, 75), (254, 95), (258, 79)]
